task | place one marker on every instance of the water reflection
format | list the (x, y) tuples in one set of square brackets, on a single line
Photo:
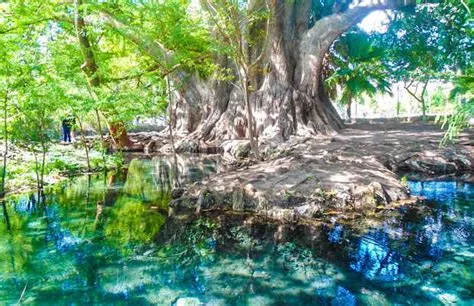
[(131, 222), (108, 240), (185, 169), (375, 260), (445, 193)]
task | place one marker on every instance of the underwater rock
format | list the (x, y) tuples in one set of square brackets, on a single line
[(187, 301), (448, 299)]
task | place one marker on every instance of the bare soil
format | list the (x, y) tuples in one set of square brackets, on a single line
[(361, 167)]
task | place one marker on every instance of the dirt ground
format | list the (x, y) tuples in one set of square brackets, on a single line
[(362, 166)]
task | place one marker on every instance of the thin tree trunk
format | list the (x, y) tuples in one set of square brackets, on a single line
[(99, 124), (5, 214), (170, 113), (102, 145), (38, 185), (84, 143), (174, 171), (5, 136), (43, 162), (421, 98), (398, 101), (349, 108), (43, 148), (91, 70), (423, 109), (251, 131)]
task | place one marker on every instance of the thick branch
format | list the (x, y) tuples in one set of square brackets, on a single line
[(316, 42), (413, 94), (89, 66), (334, 25), (155, 50)]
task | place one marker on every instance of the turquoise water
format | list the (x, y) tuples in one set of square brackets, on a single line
[(108, 240)]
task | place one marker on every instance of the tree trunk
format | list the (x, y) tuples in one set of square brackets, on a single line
[(349, 107), (421, 98), (289, 96), (5, 151), (5, 214), (37, 171), (289, 99), (398, 101), (84, 144), (102, 140), (423, 108), (90, 68), (250, 120), (119, 135)]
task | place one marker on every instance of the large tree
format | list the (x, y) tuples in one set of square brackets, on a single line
[(288, 97), (285, 87), (116, 54)]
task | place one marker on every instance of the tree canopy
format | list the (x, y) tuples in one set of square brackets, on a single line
[(234, 69)]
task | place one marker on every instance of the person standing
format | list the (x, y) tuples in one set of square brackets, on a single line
[(67, 124)]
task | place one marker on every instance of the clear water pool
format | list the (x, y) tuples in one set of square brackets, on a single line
[(108, 240)]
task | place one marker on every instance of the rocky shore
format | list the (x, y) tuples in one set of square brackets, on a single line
[(363, 168)]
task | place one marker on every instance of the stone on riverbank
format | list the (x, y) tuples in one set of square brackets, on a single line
[(356, 170)]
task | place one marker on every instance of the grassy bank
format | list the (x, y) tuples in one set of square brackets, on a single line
[(62, 161)]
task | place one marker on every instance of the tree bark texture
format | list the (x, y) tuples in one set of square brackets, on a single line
[(289, 99)]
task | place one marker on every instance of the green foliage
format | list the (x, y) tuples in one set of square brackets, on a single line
[(460, 120), (287, 195), (62, 167), (42, 61), (404, 181), (132, 82), (137, 45), (463, 94), (194, 245), (355, 65), (118, 160), (438, 98), (131, 222), (141, 183), (427, 43)]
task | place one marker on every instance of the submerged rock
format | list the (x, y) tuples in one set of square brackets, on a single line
[(448, 299), (188, 301)]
